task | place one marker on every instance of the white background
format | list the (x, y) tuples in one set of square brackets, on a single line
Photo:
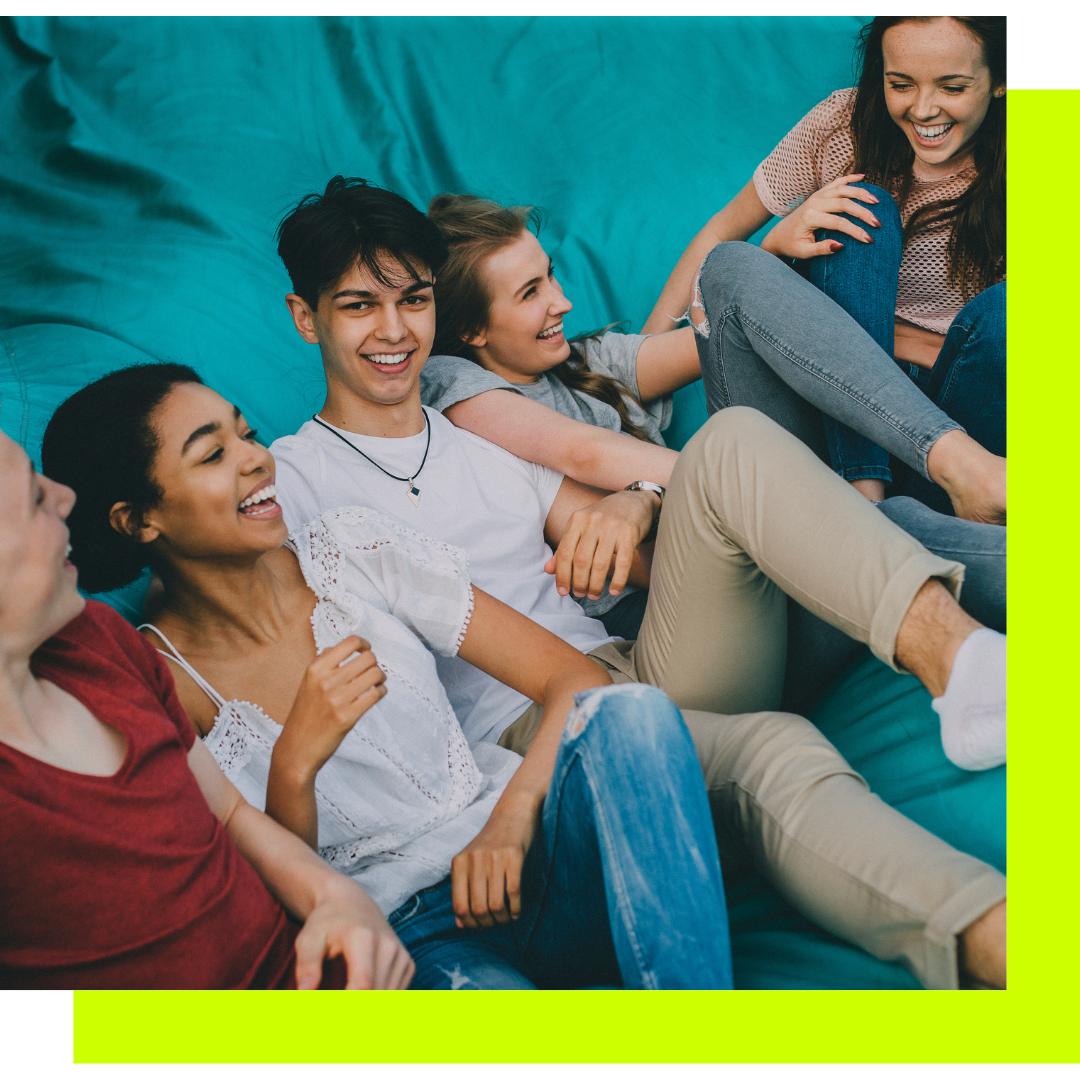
[(35, 1028)]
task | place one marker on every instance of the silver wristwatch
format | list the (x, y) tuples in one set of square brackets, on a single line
[(646, 485)]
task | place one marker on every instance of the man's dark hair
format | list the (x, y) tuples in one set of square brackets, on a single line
[(354, 222), (101, 443)]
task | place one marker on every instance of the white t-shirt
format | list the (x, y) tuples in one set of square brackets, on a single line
[(474, 495)]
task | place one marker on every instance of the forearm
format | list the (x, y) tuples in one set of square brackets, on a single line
[(743, 216), (591, 455), (529, 785), (290, 799), (292, 872), (610, 460)]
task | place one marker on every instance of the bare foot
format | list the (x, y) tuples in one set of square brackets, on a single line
[(981, 952), (874, 490), (973, 477)]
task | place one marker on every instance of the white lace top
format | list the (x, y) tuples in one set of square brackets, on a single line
[(404, 793)]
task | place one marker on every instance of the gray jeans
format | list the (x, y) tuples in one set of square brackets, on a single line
[(772, 341)]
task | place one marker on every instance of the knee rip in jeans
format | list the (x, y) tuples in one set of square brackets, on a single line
[(588, 703), (700, 327)]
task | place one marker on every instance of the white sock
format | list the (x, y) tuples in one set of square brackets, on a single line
[(972, 709)]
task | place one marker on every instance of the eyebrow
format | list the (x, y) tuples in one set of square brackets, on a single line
[(206, 429), (533, 281), (940, 78), (360, 294)]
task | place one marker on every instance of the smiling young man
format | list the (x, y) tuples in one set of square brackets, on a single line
[(362, 261)]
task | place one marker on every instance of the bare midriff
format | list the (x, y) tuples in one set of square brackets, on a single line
[(917, 345)]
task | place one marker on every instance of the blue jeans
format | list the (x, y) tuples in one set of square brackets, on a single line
[(968, 380), (773, 341), (818, 653), (621, 886)]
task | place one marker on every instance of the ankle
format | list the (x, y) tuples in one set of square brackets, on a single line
[(931, 634), (981, 951), (973, 478), (874, 490)]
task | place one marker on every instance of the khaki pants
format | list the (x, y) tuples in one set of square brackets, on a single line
[(752, 514)]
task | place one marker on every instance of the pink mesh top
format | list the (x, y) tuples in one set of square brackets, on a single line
[(815, 152)]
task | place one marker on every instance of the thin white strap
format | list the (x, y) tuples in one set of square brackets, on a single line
[(173, 654)]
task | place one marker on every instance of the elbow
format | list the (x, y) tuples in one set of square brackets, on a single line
[(583, 463)]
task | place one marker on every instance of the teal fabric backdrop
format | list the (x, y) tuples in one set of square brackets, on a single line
[(145, 163)]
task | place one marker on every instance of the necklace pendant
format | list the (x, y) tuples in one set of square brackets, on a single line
[(414, 493)]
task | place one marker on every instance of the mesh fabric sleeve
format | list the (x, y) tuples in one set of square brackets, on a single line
[(813, 153)]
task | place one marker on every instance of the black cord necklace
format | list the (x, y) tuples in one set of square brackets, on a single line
[(412, 491)]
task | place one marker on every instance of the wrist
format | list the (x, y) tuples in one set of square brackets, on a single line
[(290, 770)]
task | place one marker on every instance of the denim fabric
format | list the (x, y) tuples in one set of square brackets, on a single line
[(818, 652), (773, 341), (621, 886), (862, 279), (968, 380)]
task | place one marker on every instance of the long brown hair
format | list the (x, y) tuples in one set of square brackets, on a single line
[(474, 228), (976, 250)]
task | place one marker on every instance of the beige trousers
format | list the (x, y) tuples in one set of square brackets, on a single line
[(752, 514)]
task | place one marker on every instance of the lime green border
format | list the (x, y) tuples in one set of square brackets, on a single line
[(1032, 1022)]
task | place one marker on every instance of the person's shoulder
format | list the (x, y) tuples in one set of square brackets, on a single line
[(834, 112), (100, 631), (446, 380), (306, 440), (96, 620)]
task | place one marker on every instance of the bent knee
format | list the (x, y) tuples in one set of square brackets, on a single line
[(737, 424), (986, 310), (885, 210), (633, 711)]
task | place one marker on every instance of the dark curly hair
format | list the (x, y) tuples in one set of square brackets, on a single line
[(100, 442), (354, 222)]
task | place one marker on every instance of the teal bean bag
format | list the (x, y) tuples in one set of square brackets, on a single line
[(883, 724), (146, 162)]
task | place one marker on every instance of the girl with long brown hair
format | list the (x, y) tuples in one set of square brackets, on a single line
[(594, 408), (892, 193)]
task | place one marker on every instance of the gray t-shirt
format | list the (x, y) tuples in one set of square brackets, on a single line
[(446, 380)]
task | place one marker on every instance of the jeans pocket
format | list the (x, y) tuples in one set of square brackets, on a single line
[(411, 907)]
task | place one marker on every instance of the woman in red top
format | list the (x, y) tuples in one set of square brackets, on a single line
[(127, 859), (917, 257)]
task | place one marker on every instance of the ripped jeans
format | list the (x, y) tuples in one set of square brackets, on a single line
[(621, 886)]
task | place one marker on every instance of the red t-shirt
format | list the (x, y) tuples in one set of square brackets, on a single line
[(126, 881)]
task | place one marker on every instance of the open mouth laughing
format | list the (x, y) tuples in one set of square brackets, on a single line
[(389, 363), (552, 333), (933, 134), (262, 503)]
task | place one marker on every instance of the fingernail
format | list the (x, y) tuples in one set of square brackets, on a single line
[(594, 596), (837, 246), (562, 591)]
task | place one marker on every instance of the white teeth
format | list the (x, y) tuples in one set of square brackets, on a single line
[(386, 358), (67, 552), (550, 332), (268, 492), (931, 132)]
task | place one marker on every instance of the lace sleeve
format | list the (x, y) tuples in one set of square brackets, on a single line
[(424, 583), (813, 153)]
